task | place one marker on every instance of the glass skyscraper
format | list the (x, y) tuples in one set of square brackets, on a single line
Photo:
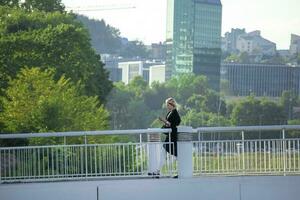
[(194, 38)]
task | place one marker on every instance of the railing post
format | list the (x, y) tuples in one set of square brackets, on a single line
[(154, 148), (86, 156), (284, 152), (65, 156), (243, 150), (185, 152), (141, 154)]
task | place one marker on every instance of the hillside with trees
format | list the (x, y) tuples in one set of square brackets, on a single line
[(107, 40)]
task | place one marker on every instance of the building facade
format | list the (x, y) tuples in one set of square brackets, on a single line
[(295, 44), (230, 40), (158, 51), (260, 79), (130, 70), (193, 39), (157, 73), (254, 44)]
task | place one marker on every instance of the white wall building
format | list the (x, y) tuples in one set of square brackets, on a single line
[(131, 70), (254, 44), (157, 73), (230, 40)]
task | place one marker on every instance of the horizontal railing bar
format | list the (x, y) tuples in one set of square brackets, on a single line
[(246, 140), (84, 133), (77, 178), (149, 131), (82, 145), (247, 128)]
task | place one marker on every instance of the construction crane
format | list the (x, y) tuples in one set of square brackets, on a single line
[(99, 8)]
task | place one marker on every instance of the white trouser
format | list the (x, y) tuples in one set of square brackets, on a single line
[(157, 157)]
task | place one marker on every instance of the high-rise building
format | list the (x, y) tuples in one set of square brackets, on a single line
[(193, 38)]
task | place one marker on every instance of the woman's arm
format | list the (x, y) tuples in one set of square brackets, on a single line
[(174, 119)]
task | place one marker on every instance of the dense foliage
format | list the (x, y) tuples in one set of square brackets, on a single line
[(137, 105), (51, 78), (35, 102), (39, 39)]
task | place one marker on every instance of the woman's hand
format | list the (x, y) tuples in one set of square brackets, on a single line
[(168, 123)]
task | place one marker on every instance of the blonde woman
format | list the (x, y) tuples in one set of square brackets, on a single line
[(172, 120), (157, 153)]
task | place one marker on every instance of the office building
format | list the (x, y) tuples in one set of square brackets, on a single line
[(157, 73), (260, 79), (193, 38), (130, 70)]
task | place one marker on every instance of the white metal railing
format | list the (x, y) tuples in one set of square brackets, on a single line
[(74, 161), (247, 157), (79, 161), (214, 156), (278, 155)]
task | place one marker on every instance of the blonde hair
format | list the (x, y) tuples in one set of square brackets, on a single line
[(171, 101)]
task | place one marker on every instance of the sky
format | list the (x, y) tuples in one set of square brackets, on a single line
[(276, 19)]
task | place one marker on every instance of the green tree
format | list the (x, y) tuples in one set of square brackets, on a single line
[(184, 86), (44, 5), (35, 102), (134, 49), (276, 59), (232, 58), (209, 102), (140, 115), (138, 85), (50, 40), (10, 3), (105, 38), (288, 100), (244, 57), (241, 58), (155, 96), (225, 87), (128, 107), (204, 119), (118, 104), (251, 111)]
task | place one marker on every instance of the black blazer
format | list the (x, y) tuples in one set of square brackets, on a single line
[(174, 118)]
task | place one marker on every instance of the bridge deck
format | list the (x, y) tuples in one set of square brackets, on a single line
[(208, 188)]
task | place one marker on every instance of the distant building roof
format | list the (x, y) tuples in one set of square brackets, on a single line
[(218, 2)]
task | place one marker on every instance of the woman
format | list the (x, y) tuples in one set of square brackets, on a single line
[(172, 121)]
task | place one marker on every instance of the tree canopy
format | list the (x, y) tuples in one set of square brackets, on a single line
[(35, 102), (50, 40)]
